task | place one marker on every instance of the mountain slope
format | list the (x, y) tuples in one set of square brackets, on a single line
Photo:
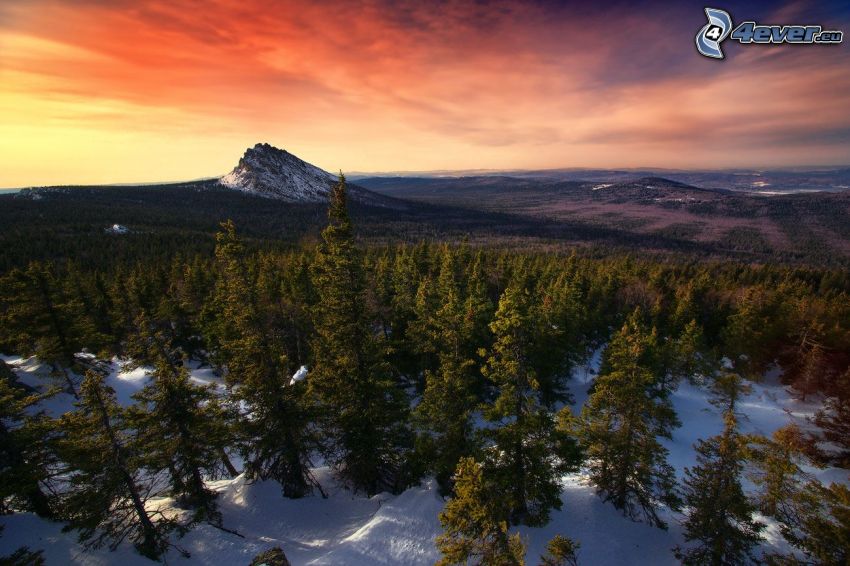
[(269, 172)]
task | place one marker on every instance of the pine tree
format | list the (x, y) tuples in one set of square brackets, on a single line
[(182, 427), (687, 356), (475, 531), (449, 398), (751, 330), (107, 488), (550, 347), (719, 516), (478, 306), (478, 313), (777, 472), (530, 452), (43, 320), (423, 332), (402, 288), (635, 345), (25, 453), (560, 551), (619, 427), (364, 410), (823, 532), (834, 423), (812, 517), (275, 432)]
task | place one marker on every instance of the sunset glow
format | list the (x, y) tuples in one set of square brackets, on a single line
[(137, 91)]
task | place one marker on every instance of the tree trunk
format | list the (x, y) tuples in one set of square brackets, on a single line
[(148, 529), (225, 459)]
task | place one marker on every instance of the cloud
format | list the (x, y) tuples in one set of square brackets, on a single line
[(465, 84)]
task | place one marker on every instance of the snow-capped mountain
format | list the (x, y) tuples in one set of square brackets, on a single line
[(270, 172)]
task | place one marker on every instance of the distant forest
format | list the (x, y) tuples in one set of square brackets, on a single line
[(412, 321)]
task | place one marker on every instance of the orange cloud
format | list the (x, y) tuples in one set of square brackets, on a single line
[(177, 89)]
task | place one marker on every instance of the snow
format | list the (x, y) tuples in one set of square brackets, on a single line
[(300, 375), (348, 528), (274, 173)]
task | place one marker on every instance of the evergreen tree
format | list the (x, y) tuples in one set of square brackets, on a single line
[(25, 453), (402, 289), (449, 398), (478, 313), (688, 358), (474, 529), (182, 427), (751, 331), (834, 423), (560, 551), (44, 320), (823, 531), (777, 472), (296, 296), (635, 345), (812, 517), (620, 423), (530, 452), (364, 410), (719, 517), (275, 432), (423, 332), (107, 490)]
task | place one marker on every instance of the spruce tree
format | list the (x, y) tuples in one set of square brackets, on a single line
[(619, 426), (45, 321), (529, 452), (403, 284), (475, 531), (182, 427), (363, 410), (834, 423), (449, 399), (777, 472), (478, 313), (275, 433), (554, 316), (423, 332), (636, 345), (560, 551), (107, 488), (26, 456), (719, 516), (812, 517), (478, 306), (823, 532)]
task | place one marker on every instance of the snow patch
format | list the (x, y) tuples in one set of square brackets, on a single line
[(274, 173), (300, 375), (352, 529)]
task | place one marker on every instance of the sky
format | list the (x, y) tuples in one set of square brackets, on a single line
[(111, 91)]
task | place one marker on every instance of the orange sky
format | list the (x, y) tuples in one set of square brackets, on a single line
[(96, 91)]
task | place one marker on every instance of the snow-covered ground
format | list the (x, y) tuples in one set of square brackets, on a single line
[(351, 529)]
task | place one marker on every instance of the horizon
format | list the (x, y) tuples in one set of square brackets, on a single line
[(150, 92), (464, 173)]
